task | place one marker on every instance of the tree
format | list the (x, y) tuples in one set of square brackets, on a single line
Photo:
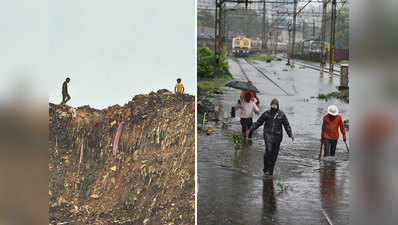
[(205, 18), (342, 28)]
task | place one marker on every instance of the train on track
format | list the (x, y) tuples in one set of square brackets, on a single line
[(311, 50), (241, 46)]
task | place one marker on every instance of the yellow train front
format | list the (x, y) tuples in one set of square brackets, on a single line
[(241, 46)]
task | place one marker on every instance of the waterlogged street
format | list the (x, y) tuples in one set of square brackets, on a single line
[(232, 189)]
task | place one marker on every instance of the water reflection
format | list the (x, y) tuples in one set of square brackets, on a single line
[(328, 188), (241, 157), (269, 201)]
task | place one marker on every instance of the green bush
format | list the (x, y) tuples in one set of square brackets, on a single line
[(206, 65)]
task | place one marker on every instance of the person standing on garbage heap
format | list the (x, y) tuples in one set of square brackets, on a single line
[(273, 121), (65, 94), (330, 130), (247, 108), (179, 88)]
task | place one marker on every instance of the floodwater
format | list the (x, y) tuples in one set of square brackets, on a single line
[(232, 189)]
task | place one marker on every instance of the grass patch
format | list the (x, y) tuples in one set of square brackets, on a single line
[(263, 57), (282, 187), (309, 62), (342, 95), (208, 85), (236, 139), (343, 62)]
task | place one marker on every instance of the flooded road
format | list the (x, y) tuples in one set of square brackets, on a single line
[(232, 189)]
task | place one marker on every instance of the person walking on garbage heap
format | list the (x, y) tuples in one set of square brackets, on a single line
[(273, 121), (179, 88), (65, 94), (332, 121), (247, 108)]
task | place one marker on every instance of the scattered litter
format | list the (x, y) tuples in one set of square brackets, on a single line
[(144, 158), (117, 137), (94, 196)]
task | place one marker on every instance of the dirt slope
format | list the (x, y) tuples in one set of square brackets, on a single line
[(151, 179)]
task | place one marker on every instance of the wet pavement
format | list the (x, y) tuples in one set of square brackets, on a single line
[(232, 189)]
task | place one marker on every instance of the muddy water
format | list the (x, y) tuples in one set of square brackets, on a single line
[(232, 189)]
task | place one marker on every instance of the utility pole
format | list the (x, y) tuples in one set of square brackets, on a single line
[(216, 32), (219, 34), (323, 37), (294, 32), (289, 49), (263, 34), (313, 24), (332, 38)]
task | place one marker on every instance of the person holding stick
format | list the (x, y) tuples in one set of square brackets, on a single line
[(332, 121)]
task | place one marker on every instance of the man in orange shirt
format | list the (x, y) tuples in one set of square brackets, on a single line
[(330, 130)]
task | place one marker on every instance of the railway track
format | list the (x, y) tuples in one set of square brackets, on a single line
[(267, 77), (326, 70), (260, 71), (241, 68)]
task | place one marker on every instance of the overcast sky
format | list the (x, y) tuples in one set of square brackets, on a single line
[(114, 50)]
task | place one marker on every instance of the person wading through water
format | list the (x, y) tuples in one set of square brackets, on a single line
[(253, 95), (65, 94), (330, 130), (247, 108), (273, 120)]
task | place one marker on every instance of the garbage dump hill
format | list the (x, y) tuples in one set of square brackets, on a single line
[(149, 179)]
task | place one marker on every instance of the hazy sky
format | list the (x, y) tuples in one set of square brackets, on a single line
[(114, 50)]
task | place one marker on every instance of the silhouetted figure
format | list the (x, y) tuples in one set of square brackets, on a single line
[(65, 94)]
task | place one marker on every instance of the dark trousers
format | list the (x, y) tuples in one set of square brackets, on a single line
[(329, 147), (65, 98), (246, 125), (270, 156)]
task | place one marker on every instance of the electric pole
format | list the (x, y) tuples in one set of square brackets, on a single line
[(323, 37), (263, 34), (219, 34), (294, 32), (332, 38), (313, 25), (289, 48)]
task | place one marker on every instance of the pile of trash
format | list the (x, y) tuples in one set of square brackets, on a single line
[(131, 164)]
